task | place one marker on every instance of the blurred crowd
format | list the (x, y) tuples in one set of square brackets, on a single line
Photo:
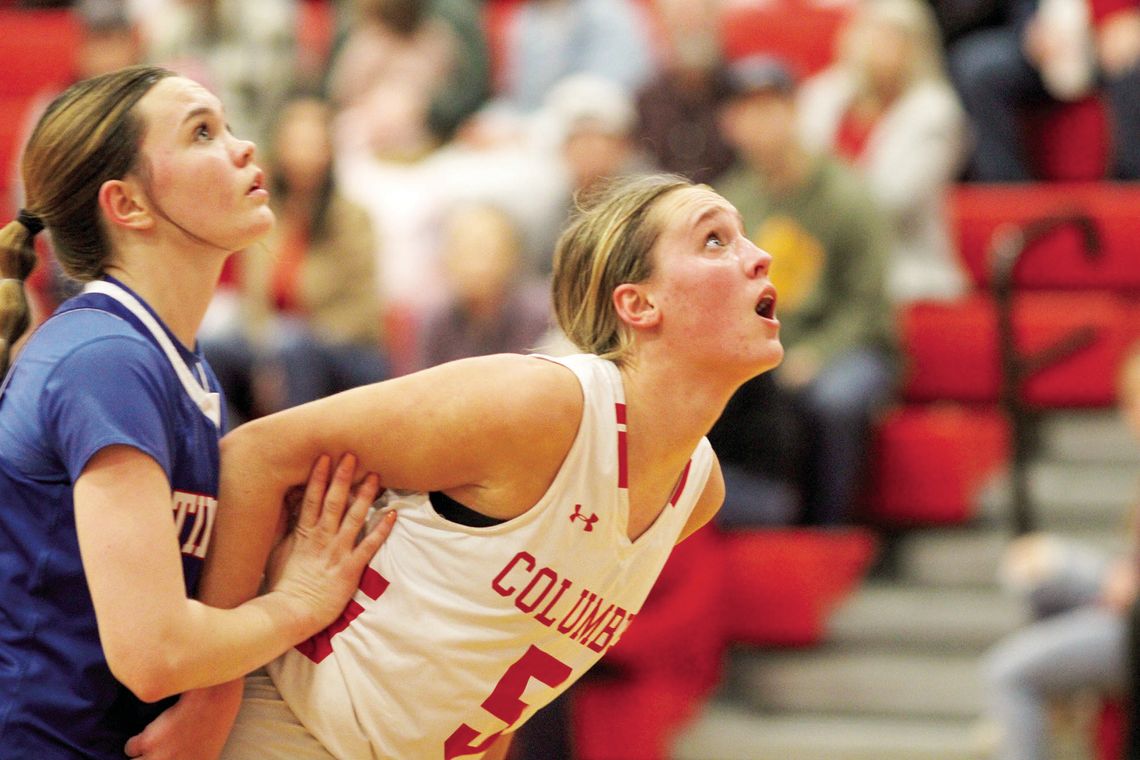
[(424, 155)]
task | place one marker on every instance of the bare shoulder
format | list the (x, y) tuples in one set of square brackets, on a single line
[(527, 391), (709, 502)]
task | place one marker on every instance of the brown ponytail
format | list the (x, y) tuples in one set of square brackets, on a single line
[(17, 259)]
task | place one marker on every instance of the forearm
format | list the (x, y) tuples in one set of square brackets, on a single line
[(206, 646)]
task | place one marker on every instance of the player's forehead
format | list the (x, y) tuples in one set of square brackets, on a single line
[(687, 208), (175, 100)]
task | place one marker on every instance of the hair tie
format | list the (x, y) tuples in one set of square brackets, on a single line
[(32, 223)]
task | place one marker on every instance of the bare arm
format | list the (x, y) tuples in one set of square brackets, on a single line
[(156, 640), (491, 431), (708, 504), (500, 749)]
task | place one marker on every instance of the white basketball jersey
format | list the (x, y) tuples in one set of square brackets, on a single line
[(459, 634)]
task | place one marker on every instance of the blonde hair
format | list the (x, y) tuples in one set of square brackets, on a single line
[(88, 135), (913, 17), (607, 243)]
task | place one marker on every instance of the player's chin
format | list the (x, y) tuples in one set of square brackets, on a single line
[(770, 357), (258, 224)]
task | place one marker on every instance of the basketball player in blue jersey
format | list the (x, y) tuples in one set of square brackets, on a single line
[(109, 430), (539, 498)]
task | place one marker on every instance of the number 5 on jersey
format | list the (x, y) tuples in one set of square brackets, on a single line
[(505, 701)]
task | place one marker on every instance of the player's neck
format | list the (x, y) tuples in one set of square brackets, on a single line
[(671, 406), (178, 288)]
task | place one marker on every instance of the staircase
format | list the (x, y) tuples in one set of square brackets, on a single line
[(897, 677)]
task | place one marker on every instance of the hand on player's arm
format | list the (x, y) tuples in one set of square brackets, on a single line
[(157, 641)]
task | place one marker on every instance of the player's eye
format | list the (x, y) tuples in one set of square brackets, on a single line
[(714, 240)]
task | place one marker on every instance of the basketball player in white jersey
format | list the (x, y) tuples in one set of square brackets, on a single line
[(538, 498)]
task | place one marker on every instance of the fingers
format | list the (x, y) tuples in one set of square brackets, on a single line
[(357, 514), (135, 746), (372, 541), (336, 498), (314, 492)]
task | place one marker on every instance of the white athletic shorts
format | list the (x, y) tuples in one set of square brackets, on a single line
[(266, 729)]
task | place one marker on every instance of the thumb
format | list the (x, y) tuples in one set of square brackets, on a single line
[(136, 745)]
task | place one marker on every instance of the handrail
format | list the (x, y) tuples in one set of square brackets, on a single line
[(1008, 247)]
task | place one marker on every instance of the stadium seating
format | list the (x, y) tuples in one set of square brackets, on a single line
[(36, 48)]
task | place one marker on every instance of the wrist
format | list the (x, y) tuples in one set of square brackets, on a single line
[(294, 615)]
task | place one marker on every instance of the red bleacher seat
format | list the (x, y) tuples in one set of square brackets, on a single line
[(801, 32), (930, 462), (1069, 142), (951, 349), (783, 583), (13, 113), (1057, 261), (664, 665), (36, 48)]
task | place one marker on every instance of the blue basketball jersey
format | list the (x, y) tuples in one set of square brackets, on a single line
[(103, 370)]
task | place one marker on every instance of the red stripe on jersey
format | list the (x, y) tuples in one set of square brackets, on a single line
[(680, 484), (373, 584), (623, 465), (623, 461)]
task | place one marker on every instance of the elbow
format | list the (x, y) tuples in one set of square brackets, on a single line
[(149, 675), (242, 441)]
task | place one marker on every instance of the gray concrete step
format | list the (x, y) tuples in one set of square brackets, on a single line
[(727, 732), (1087, 436), (832, 680), (969, 557), (1068, 495), (924, 619)]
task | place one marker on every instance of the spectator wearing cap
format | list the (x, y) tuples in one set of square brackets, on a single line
[(830, 248)]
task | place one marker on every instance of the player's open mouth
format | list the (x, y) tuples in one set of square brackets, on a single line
[(258, 183), (766, 307)]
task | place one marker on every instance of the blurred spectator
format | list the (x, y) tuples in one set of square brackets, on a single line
[(549, 40), (596, 118), (307, 319), (1040, 53), (492, 307), (678, 108), (759, 440), (410, 69), (245, 52), (1079, 596), (828, 242), (887, 107)]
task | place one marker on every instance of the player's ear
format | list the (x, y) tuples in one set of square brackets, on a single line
[(124, 204), (636, 306)]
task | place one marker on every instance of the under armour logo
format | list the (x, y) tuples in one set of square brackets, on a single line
[(593, 518)]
